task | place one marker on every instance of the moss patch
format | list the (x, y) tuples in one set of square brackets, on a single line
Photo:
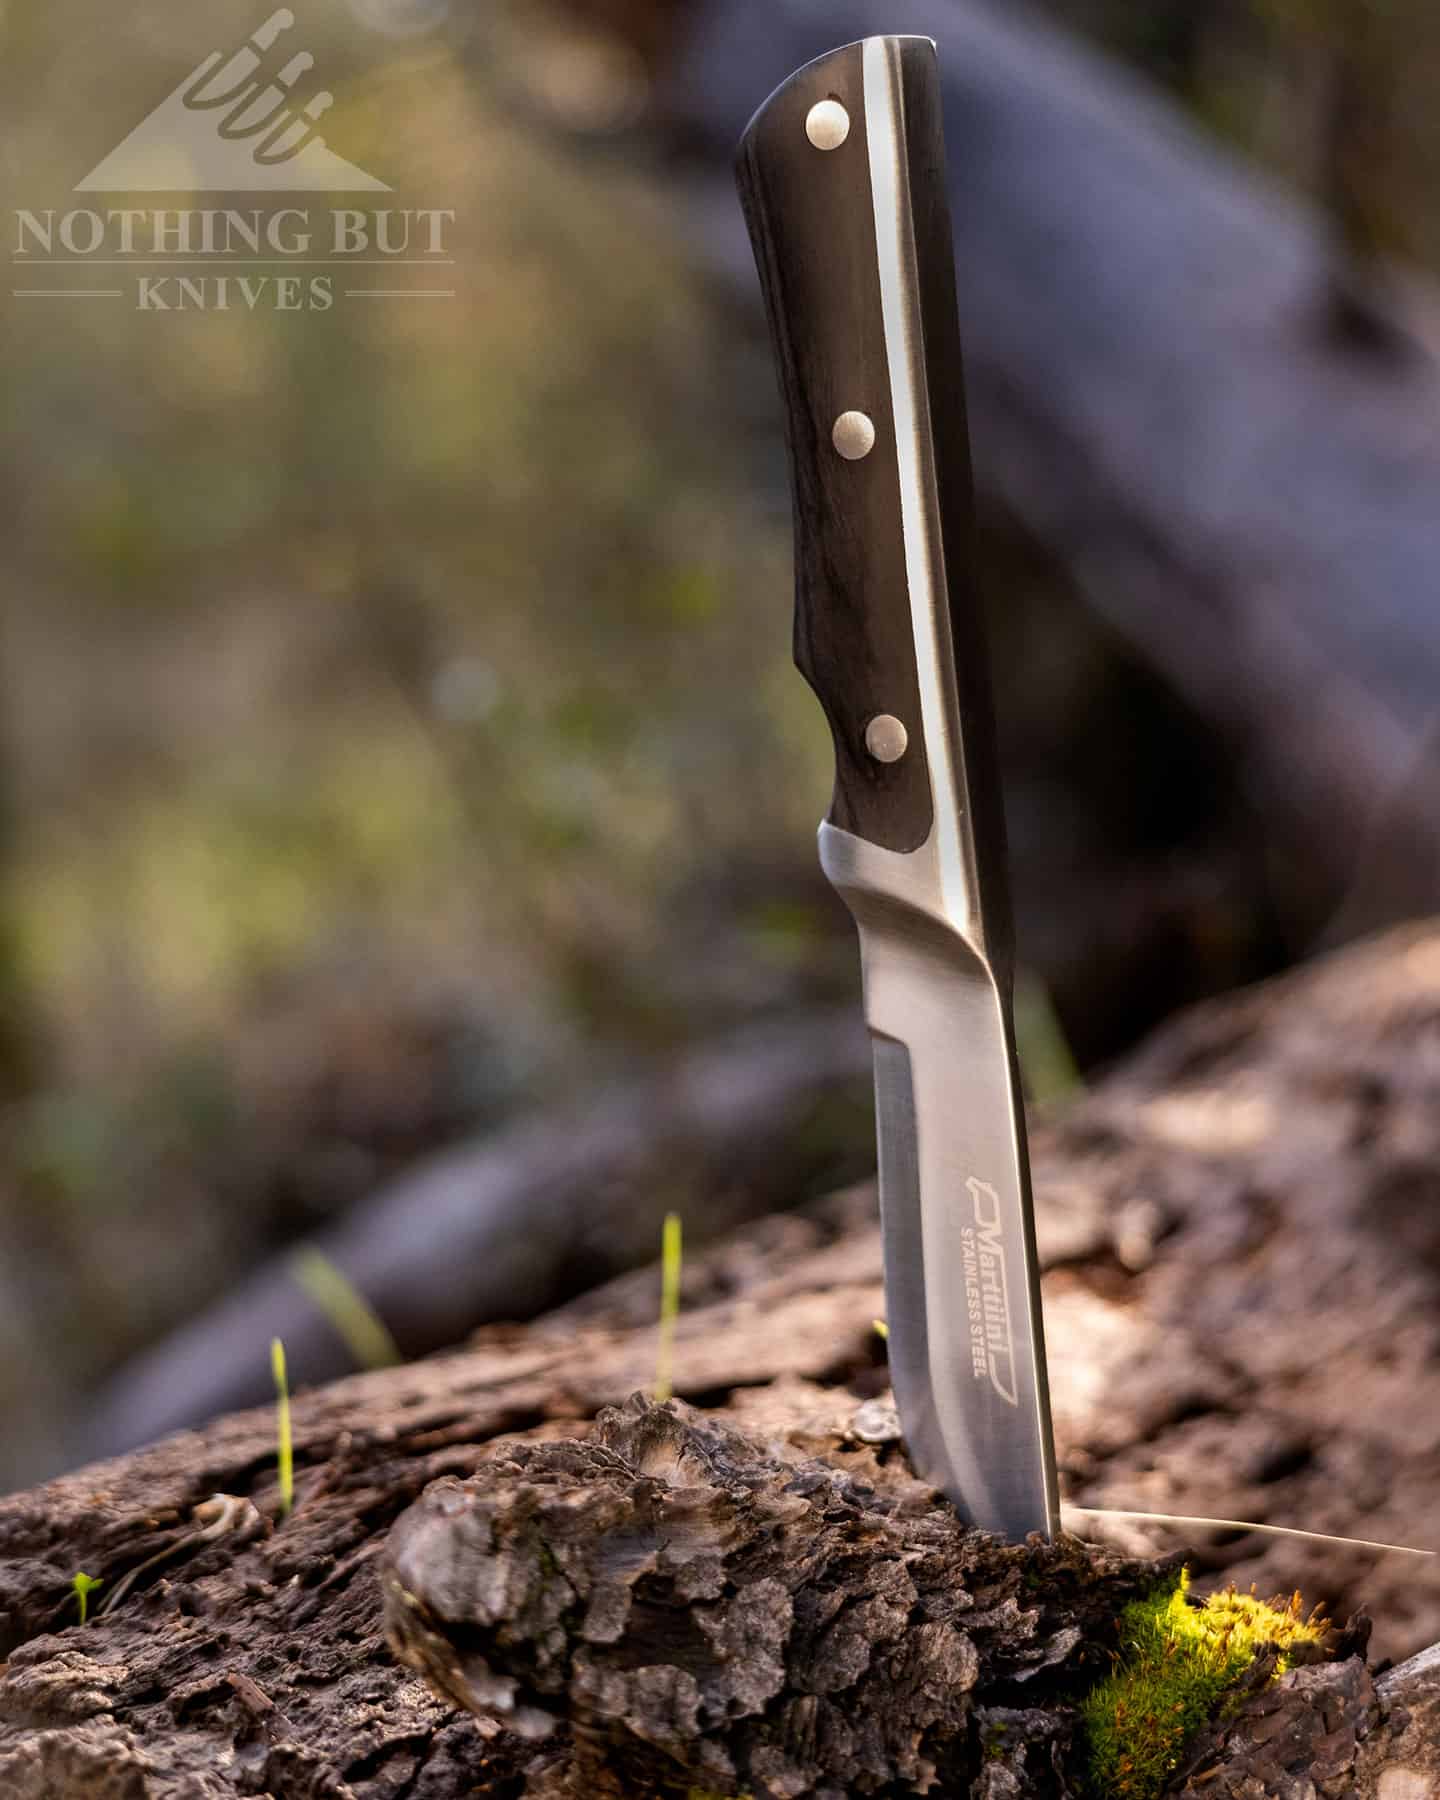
[(1175, 1662)]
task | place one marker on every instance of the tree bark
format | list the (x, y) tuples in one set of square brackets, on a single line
[(704, 1614), (1241, 1291)]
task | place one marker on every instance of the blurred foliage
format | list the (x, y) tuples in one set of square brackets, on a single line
[(387, 690), (444, 623), (425, 621)]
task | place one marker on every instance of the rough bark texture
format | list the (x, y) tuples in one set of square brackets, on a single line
[(1265, 1344), (1327, 1732), (707, 1614), (1243, 1305)]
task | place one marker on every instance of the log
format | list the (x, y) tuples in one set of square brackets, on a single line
[(736, 1620), (1155, 395), (512, 1225), (700, 1613), (1242, 1291)]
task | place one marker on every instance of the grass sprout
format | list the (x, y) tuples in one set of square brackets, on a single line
[(285, 1455), (671, 1252), (365, 1333), (83, 1586), (1046, 1059)]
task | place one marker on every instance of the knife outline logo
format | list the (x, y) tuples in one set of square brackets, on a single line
[(987, 1292), (235, 124)]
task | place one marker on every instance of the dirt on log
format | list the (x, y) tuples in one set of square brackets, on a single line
[(1239, 1232)]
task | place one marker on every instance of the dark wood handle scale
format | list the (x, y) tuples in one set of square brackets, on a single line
[(811, 212)]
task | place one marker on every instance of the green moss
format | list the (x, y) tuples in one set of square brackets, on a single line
[(1176, 1661)]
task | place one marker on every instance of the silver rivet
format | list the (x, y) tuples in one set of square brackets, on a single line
[(827, 125), (853, 435), (886, 738)]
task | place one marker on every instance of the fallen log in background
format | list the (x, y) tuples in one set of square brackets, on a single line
[(1249, 497), (1239, 1230), (512, 1225)]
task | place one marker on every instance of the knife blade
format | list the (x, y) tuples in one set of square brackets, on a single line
[(842, 178)]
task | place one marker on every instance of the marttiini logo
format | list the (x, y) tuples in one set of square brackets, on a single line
[(987, 1292), (243, 123), (235, 122)]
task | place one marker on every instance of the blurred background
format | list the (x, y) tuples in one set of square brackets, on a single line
[(399, 740)]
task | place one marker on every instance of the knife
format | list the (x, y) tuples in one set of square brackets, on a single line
[(842, 177)]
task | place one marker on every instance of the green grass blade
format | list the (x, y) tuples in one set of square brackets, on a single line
[(1046, 1060), (286, 1449), (671, 1250), (365, 1333)]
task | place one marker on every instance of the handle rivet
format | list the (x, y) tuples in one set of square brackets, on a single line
[(827, 125), (854, 435), (886, 738)]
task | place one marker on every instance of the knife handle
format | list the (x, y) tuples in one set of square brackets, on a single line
[(820, 199)]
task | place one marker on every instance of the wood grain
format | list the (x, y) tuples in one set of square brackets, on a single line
[(812, 226)]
